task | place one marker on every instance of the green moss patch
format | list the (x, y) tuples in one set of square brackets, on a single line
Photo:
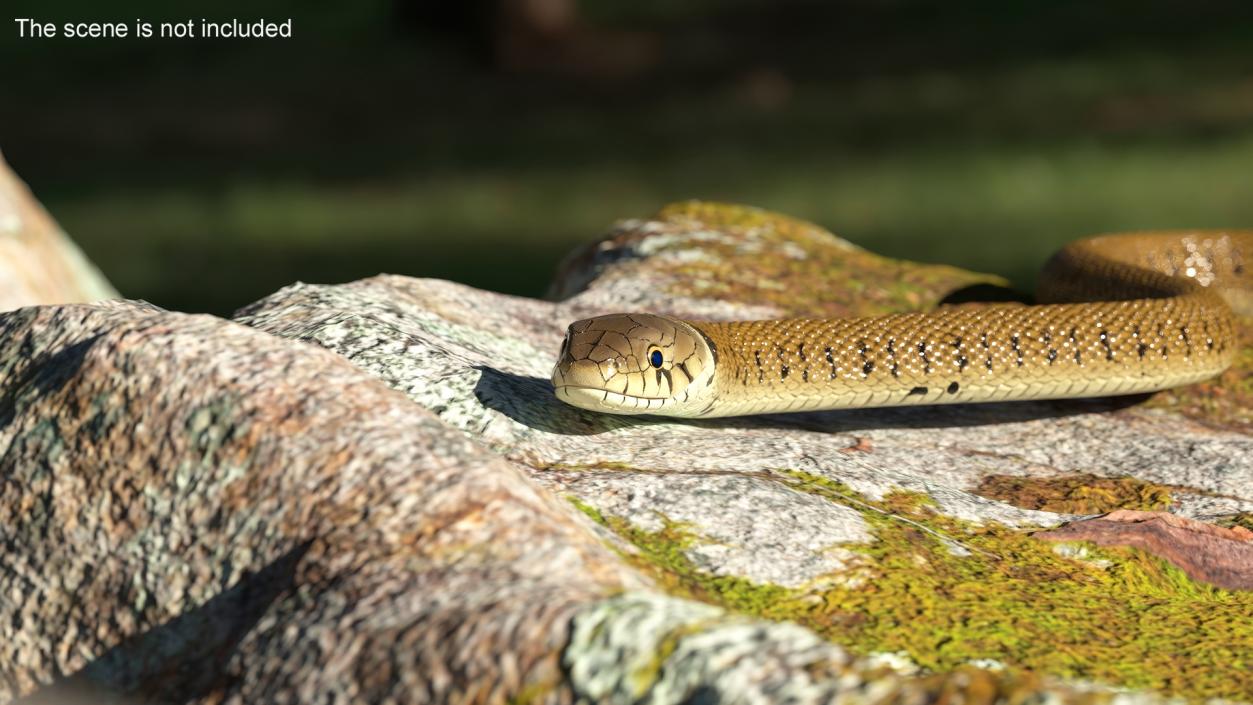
[(948, 593), (798, 267), (1075, 494)]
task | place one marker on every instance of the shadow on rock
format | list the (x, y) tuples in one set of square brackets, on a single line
[(985, 294), (44, 378), (183, 659), (530, 402), (947, 416)]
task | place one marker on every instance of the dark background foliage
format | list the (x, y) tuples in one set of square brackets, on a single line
[(479, 141)]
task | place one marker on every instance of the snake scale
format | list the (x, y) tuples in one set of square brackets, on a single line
[(1122, 314)]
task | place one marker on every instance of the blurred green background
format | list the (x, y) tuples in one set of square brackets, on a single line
[(481, 141)]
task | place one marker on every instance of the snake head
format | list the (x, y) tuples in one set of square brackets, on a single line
[(635, 363)]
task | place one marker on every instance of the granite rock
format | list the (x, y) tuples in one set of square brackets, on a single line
[(196, 511), (367, 493), (726, 491)]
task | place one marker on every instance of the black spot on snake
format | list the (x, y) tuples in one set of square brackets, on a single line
[(961, 358), (682, 367), (713, 348)]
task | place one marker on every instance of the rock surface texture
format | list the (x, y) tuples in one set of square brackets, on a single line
[(368, 493)]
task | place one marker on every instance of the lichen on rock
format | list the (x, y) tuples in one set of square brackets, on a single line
[(1081, 493), (1115, 616), (758, 259)]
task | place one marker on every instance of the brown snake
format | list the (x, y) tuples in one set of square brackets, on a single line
[(1125, 313)]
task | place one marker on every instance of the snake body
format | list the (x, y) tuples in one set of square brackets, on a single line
[(1125, 313)]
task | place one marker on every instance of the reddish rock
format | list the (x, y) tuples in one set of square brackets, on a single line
[(1213, 554)]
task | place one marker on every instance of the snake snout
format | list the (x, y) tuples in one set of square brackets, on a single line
[(575, 368), (577, 373), (586, 384)]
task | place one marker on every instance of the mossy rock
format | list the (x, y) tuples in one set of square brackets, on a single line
[(897, 531), (740, 254), (950, 594)]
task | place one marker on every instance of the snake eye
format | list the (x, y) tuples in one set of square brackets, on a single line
[(655, 358)]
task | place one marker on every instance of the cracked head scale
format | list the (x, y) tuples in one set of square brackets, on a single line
[(635, 363)]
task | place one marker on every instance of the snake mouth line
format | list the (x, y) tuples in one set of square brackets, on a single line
[(611, 395), (604, 400)]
